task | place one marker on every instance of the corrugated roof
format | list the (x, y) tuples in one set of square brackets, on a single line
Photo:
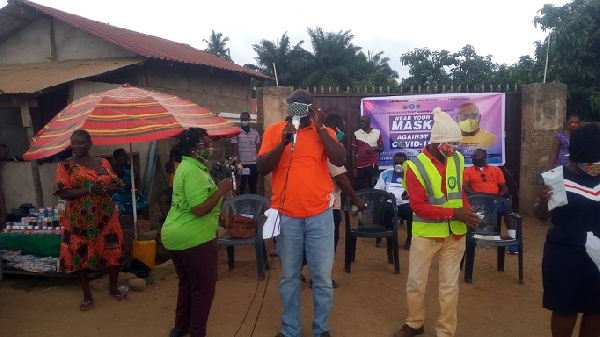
[(34, 77), (141, 44)]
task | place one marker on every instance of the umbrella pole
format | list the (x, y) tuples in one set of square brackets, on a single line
[(133, 198)]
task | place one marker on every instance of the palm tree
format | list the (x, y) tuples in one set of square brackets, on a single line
[(288, 60), (217, 45), (334, 61), (374, 71)]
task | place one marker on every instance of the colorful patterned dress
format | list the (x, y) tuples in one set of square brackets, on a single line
[(92, 235)]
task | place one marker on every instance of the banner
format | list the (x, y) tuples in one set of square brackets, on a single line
[(405, 123)]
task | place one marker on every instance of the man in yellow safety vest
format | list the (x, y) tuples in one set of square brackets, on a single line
[(441, 216)]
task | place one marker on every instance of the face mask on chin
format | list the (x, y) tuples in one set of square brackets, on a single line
[(469, 125), (204, 154), (398, 168)]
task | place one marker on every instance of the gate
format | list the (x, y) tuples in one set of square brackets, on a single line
[(348, 106)]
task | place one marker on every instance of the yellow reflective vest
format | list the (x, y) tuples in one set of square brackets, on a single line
[(431, 180)]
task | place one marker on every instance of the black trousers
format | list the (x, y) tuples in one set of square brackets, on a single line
[(250, 180), (405, 212), (366, 177)]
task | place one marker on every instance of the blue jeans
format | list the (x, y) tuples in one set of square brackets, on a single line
[(315, 236)]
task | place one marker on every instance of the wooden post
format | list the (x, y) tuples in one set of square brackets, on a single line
[(35, 170)]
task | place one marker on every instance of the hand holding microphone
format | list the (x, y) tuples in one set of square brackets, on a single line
[(296, 124)]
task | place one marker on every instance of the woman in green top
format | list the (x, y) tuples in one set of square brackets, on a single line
[(189, 232)]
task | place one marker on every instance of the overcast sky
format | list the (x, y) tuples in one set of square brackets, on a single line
[(502, 29)]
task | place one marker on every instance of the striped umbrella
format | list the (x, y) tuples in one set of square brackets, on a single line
[(126, 115)]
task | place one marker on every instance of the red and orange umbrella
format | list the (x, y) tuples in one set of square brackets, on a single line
[(126, 115)]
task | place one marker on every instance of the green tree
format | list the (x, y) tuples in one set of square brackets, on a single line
[(573, 51), (289, 60), (472, 69), (375, 71), (428, 67), (217, 45), (334, 61)]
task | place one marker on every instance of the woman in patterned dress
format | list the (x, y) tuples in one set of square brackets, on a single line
[(571, 279), (92, 236)]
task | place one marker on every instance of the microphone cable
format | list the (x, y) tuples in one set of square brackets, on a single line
[(270, 261)]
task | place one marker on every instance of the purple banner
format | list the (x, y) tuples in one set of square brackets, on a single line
[(405, 123)]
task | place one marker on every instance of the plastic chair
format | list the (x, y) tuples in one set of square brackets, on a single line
[(248, 204), (490, 226), (381, 209)]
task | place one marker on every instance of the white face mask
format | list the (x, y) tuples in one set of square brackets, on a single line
[(398, 168)]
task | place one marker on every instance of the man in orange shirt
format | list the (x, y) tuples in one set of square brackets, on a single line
[(484, 178), (302, 193)]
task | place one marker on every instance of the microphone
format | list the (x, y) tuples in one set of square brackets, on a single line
[(296, 123)]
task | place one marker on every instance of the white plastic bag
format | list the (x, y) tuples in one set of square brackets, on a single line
[(554, 178), (271, 226), (592, 246)]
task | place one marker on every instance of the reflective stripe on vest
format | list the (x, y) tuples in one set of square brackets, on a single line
[(423, 168)]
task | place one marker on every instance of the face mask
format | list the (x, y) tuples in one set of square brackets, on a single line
[(446, 150), (479, 162), (339, 135), (591, 169), (204, 154), (574, 125), (398, 168), (469, 125), (362, 125), (298, 109), (245, 124)]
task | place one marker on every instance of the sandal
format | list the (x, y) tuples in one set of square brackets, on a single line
[(120, 296), (86, 305)]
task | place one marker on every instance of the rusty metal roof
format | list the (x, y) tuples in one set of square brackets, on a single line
[(34, 77), (18, 13)]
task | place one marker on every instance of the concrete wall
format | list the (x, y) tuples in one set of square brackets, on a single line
[(543, 112), (18, 186), (32, 44), (272, 108), (12, 132)]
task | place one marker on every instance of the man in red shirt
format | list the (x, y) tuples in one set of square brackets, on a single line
[(484, 178), (441, 214)]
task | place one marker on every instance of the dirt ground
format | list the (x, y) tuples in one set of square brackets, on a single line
[(371, 301)]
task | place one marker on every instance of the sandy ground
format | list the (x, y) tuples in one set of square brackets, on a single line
[(371, 300)]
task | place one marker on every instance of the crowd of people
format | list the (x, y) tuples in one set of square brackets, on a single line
[(306, 153)]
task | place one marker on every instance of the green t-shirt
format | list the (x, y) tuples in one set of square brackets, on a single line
[(192, 185)]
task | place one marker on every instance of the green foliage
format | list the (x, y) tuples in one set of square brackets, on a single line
[(217, 45), (574, 40), (428, 67), (334, 62)]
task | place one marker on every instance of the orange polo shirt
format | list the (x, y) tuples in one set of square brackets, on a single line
[(492, 175), (309, 186)]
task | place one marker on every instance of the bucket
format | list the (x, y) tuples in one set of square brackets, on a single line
[(144, 251)]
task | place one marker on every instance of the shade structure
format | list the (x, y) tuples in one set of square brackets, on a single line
[(126, 115)]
